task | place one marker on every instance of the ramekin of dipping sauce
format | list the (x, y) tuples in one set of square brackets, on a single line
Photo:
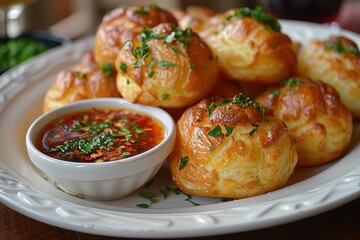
[(103, 148)]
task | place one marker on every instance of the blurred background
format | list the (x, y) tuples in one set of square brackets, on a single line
[(78, 18)]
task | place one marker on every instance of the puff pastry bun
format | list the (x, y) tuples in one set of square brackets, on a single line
[(250, 50), (225, 149), (86, 80), (320, 124), (122, 24), (166, 67), (335, 61)]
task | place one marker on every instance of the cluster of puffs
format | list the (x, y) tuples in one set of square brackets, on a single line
[(202, 67)]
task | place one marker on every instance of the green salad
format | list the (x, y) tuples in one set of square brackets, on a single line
[(16, 51)]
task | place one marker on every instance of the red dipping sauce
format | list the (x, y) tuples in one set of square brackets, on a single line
[(99, 135)]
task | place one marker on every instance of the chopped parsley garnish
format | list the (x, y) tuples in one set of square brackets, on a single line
[(211, 148), (183, 162), (142, 10), (176, 49), (151, 74), (77, 74), (339, 47), (215, 132), (292, 82), (147, 195), (275, 92), (258, 14), (123, 67), (106, 69), (256, 127), (152, 62), (192, 65), (167, 64), (164, 97), (240, 100), (137, 64), (164, 193), (142, 51), (80, 75), (229, 130)]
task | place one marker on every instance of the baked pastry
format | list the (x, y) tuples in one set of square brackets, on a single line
[(231, 148), (250, 46), (335, 61), (194, 17), (87, 80), (124, 23), (167, 67), (320, 124)]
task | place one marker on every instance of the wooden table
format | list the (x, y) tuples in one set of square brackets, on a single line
[(341, 223)]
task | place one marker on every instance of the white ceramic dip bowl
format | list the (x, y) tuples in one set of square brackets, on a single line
[(102, 180)]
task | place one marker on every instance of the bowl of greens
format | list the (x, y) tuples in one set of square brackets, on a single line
[(14, 51)]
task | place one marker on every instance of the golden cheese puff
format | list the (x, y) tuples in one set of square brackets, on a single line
[(194, 17), (335, 61), (250, 46), (87, 80), (166, 67), (122, 24), (320, 124), (231, 148)]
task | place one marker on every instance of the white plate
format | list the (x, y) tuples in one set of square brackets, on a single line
[(23, 187)]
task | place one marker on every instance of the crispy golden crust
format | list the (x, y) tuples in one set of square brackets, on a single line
[(162, 76), (194, 17), (235, 165), (250, 51), (340, 70), (122, 24), (320, 124), (85, 81)]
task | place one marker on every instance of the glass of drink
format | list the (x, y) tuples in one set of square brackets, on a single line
[(319, 11), (10, 17)]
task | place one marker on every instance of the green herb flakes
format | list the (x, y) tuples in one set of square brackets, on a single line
[(292, 82), (275, 92), (183, 162), (215, 132), (106, 69), (192, 64), (258, 14), (256, 127), (176, 49), (137, 64), (142, 10), (151, 74), (229, 130), (339, 47), (166, 64), (152, 62), (164, 97), (123, 67)]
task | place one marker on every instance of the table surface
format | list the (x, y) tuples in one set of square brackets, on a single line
[(340, 223)]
